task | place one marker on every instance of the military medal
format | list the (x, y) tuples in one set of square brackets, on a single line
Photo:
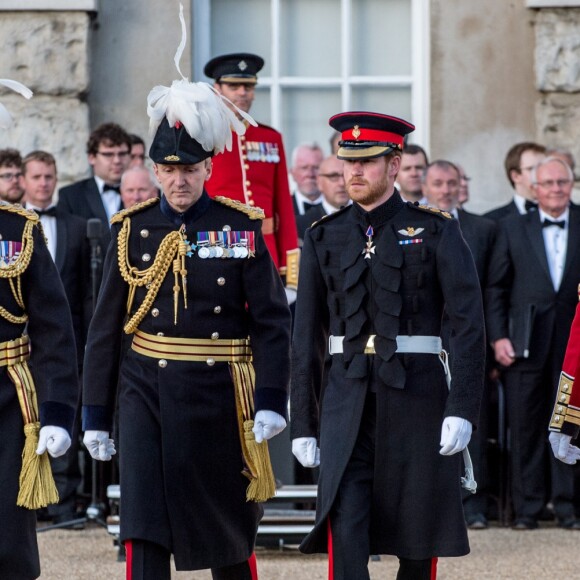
[(370, 249)]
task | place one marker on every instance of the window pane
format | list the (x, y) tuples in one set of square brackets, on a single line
[(381, 39), (310, 38), (390, 101), (241, 27), (305, 115)]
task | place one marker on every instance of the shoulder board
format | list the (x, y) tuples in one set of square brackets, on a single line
[(330, 216), (433, 210), (254, 213), (121, 215), (18, 209)]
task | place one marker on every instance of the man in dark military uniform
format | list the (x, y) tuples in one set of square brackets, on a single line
[(374, 280), (192, 279), (35, 326), (254, 171)]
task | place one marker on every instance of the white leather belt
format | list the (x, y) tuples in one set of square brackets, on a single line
[(405, 344)]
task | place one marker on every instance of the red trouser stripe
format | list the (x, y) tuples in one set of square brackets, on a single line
[(433, 568), (253, 566), (129, 560), (330, 555)]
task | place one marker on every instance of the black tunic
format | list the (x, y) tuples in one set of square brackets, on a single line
[(53, 367), (181, 461), (401, 290)]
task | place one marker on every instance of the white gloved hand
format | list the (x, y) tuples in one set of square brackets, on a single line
[(562, 449), (267, 424), (455, 435), (55, 440), (306, 451), (99, 445)]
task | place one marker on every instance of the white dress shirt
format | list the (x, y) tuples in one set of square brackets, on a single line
[(111, 199), (48, 227), (556, 243), (302, 199)]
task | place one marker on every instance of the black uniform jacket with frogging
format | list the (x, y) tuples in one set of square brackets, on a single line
[(54, 370), (420, 265), (181, 462)]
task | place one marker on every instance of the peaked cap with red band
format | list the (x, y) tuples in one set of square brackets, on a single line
[(366, 135)]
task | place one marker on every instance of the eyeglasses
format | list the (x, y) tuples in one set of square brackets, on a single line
[(112, 154), (10, 176), (549, 183), (332, 176)]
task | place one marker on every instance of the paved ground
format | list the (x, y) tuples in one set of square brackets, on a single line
[(497, 554)]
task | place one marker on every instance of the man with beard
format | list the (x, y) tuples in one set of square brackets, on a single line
[(375, 278)]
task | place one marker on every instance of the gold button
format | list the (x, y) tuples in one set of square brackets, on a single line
[(250, 201), (560, 408), (221, 281), (155, 312), (242, 137), (210, 362), (217, 309), (227, 229), (248, 183), (246, 166), (565, 388), (244, 157), (144, 233), (563, 398), (160, 334), (146, 257), (249, 193), (162, 363), (215, 335), (557, 418)]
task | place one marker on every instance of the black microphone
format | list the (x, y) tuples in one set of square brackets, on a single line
[(94, 230), (94, 227)]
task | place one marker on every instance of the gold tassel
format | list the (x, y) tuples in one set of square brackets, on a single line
[(263, 485), (37, 488)]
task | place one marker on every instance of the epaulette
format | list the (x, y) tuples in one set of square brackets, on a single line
[(330, 216), (429, 209), (254, 213), (18, 209), (121, 215)]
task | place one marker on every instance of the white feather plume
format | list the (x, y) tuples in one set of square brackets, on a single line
[(203, 111), (5, 117)]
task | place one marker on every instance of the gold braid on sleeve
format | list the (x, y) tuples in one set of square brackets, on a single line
[(152, 277), (15, 270)]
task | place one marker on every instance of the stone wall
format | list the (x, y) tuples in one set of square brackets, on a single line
[(557, 69), (48, 52)]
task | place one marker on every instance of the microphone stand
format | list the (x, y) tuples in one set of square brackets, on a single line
[(95, 510)]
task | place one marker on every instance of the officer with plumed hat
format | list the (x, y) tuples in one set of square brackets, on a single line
[(375, 278), (254, 172), (39, 385), (204, 382)]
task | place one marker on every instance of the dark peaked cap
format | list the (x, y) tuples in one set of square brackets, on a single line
[(174, 146), (238, 67), (366, 135)]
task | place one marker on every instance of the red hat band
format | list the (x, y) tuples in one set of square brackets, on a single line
[(361, 134)]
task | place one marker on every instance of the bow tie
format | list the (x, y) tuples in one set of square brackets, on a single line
[(530, 205), (306, 206), (111, 187), (548, 223), (51, 211)]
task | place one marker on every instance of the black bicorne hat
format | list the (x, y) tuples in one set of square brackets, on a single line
[(174, 146)]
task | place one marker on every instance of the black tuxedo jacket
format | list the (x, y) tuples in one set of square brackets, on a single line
[(83, 199), (502, 212), (73, 263), (303, 222), (479, 233), (520, 290)]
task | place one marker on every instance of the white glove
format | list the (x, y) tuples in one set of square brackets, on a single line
[(55, 440), (99, 445), (562, 449), (455, 435), (305, 450), (267, 424)]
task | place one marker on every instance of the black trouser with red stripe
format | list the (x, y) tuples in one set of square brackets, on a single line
[(349, 522), (150, 561)]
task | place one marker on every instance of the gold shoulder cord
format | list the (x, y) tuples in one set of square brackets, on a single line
[(14, 271), (172, 250)]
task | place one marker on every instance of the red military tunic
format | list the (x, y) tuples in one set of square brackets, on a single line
[(254, 172), (566, 414)]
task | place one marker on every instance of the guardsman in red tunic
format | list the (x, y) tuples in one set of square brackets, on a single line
[(254, 171), (565, 421)]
